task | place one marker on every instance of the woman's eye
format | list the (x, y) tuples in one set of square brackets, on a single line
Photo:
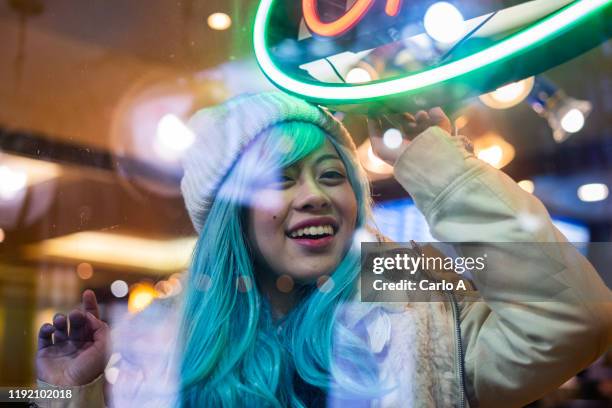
[(333, 174)]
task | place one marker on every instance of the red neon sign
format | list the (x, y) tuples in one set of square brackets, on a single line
[(347, 21)]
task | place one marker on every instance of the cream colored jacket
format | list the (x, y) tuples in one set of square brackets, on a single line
[(545, 314)]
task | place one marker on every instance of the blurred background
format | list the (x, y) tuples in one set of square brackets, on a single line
[(94, 96)]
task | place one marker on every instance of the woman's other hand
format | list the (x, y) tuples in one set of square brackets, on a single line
[(73, 354), (410, 126)]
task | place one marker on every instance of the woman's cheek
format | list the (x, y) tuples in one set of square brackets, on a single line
[(270, 201)]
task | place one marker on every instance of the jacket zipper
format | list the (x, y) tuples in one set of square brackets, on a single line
[(459, 346), (459, 343)]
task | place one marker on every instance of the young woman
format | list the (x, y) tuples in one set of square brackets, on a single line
[(271, 315)]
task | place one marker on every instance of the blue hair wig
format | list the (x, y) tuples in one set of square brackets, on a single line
[(233, 352)]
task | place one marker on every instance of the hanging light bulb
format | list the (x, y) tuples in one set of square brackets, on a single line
[(565, 115), (509, 95)]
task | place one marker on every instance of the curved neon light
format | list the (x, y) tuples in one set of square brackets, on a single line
[(339, 26), (349, 20), (334, 93), (393, 7)]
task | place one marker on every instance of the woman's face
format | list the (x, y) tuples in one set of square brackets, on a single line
[(302, 224)]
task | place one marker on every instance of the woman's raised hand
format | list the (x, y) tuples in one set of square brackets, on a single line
[(73, 350), (410, 126)]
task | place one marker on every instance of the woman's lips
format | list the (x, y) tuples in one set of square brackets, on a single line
[(314, 243)]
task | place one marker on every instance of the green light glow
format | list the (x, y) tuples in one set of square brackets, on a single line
[(332, 93)]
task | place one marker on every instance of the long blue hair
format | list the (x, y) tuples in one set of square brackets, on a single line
[(233, 352)]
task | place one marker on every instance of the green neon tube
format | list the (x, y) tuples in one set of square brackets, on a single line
[(366, 92)]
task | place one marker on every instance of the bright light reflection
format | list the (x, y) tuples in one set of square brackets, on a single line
[(173, 137), (358, 75), (573, 121), (392, 138), (492, 155), (593, 192), (116, 249), (444, 22), (494, 149), (509, 95), (119, 288), (141, 296), (11, 182), (527, 185), (219, 21)]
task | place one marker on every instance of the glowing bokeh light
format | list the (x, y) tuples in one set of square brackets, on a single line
[(492, 155), (285, 283), (527, 185), (392, 138), (593, 192), (573, 121), (119, 288), (2, 235), (85, 270), (141, 296), (358, 75), (219, 21), (173, 137), (444, 22), (493, 149)]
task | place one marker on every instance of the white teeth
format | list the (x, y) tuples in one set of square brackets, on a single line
[(313, 231)]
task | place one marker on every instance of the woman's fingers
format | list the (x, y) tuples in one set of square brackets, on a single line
[(439, 118), (45, 336), (409, 125), (79, 329), (60, 324), (90, 303)]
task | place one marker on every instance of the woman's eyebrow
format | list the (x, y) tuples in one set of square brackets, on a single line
[(324, 157)]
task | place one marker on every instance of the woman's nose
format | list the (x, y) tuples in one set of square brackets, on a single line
[(310, 197)]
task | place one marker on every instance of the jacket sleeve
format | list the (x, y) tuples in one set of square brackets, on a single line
[(546, 312), (88, 395)]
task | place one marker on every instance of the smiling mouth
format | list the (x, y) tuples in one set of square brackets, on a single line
[(313, 232)]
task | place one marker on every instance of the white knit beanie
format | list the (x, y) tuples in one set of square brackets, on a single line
[(222, 132)]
